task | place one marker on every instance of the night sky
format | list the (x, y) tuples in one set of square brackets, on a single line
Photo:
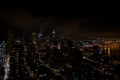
[(76, 21)]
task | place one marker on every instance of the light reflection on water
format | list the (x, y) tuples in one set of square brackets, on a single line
[(112, 51)]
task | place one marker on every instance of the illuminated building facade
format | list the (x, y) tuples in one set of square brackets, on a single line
[(34, 38), (10, 37), (2, 52), (16, 54)]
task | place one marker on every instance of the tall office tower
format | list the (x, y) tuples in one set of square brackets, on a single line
[(16, 60), (39, 35), (53, 33), (2, 52), (10, 38), (34, 38), (13, 63)]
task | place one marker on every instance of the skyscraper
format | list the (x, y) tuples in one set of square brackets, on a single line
[(34, 38), (2, 52), (10, 38)]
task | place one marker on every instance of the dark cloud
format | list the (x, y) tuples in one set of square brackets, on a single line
[(72, 21), (18, 18)]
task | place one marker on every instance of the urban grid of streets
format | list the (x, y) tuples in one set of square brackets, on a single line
[(50, 66)]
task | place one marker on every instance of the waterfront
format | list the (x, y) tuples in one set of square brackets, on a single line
[(113, 52)]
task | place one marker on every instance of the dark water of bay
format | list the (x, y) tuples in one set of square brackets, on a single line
[(112, 52)]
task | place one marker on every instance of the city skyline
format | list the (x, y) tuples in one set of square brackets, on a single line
[(76, 21)]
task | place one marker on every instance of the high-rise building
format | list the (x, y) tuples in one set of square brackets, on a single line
[(2, 52), (53, 33), (39, 35), (34, 38), (16, 54), (10, 37)]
